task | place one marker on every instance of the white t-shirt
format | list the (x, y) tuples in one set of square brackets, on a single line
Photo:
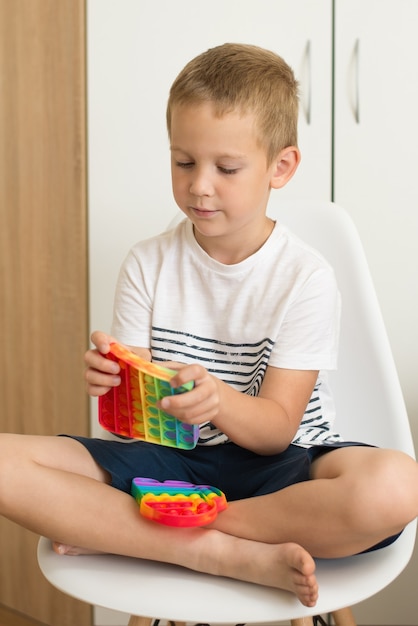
[(280, 307)]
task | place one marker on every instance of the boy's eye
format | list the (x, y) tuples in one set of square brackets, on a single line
[(184, 164), (227, 170)]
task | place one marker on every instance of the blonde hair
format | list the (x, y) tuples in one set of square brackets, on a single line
[(245, 78)]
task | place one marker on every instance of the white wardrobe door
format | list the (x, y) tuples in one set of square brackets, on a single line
[(376, 156)]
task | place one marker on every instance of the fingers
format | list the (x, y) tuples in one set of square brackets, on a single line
[(196, 413), (102, 341), (199, 405), (173, 365), (101, 373), (186, 373)]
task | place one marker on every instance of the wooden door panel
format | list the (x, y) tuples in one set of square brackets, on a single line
[(43, 276)]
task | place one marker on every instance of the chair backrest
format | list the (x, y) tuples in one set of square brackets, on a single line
[(366, 388)]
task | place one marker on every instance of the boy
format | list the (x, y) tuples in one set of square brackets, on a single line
[(250, 314)]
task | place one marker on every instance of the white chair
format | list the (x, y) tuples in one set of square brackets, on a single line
[(370, 408)]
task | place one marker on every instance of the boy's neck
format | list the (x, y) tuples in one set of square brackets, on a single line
[(233, 249)]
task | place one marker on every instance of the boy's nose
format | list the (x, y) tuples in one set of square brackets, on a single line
[(201, 184)]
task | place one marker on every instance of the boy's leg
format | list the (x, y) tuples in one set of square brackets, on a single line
[(52, 486), (358, 497)]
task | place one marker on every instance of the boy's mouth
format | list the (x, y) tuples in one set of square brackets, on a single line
[(202, 212)]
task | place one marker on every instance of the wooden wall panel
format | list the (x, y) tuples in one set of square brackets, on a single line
[(43, 258)]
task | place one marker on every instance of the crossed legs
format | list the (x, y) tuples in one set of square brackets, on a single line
[(53, 487), (358, 497)]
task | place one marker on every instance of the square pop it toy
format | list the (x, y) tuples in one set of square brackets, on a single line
[(131, 408), (177, 503)]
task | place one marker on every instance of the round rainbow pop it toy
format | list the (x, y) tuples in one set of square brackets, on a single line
[(178, 503)]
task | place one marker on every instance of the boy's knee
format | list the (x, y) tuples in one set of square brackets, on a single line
[(392, 486), (403, 491)]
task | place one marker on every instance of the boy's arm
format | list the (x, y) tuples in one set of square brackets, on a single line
[(265, 424)]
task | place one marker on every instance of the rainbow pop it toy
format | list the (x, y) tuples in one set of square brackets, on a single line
[(178, 503), (131, 408)]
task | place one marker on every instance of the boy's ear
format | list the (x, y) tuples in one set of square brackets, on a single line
[(284, 166)]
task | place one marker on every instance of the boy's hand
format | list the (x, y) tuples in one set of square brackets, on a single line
[(199, 405), (101, 373)]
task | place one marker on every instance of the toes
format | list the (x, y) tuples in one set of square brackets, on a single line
[(308, 594), (59, 548), (62, 548)]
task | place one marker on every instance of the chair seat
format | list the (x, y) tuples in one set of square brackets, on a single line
[(169, 592)]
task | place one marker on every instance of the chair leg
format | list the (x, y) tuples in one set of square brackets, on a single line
[(136, 620), (343, 617), (302, 621)]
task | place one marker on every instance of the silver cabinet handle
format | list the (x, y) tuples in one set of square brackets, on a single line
[(354, 75), (306, 79)]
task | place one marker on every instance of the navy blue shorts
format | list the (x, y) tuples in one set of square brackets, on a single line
[(238, 472)]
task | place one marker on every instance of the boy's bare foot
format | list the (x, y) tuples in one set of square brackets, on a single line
[(295, 572), (285, 566)]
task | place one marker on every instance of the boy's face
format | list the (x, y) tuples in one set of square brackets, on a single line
[(220, 176)]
